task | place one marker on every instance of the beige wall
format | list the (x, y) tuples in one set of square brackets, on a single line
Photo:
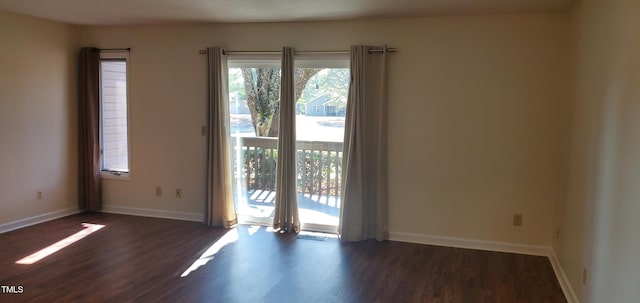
[(37, 116), (477, 113), (598, 222)]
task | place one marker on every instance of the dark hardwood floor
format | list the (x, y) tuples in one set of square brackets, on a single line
[(135, 259)]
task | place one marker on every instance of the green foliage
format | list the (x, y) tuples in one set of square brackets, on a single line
[(259, 168), (317, 171), (236, 85), (333, 82)]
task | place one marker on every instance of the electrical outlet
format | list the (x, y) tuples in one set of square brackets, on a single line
[(585, 276), (158, 191), (557, 233), (517, 219), (178, 193), (39, 195), (203, 131)]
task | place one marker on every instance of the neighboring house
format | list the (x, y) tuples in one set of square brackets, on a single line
[(324, 106), (315, 107), (335, 108)]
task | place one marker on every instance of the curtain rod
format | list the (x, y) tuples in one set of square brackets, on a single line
[(382, 50), (337, 52)]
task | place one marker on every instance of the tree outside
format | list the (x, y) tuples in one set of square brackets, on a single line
[(260, 87)]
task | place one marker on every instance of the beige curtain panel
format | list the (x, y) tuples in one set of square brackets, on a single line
[(220, 210), (89, 168), (286, 209), (364, 173)]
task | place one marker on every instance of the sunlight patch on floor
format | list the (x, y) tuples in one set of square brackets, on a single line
[(208, 255), (318, 234), (317, 217), (253, 229), (53, 248)]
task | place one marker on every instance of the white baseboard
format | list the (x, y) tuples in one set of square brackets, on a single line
[(38, 219), (562, 278), (470, 244), (155, 213)]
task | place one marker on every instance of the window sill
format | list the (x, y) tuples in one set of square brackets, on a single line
[(116, 176)]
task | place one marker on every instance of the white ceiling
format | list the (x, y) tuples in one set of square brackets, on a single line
[(113, 12)]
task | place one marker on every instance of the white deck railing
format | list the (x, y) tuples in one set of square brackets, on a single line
[(319, 165)]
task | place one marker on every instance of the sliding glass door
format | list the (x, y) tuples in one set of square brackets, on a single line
[(254, 99), (320, 118)]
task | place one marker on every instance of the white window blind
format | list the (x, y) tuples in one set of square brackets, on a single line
[(113, 96)]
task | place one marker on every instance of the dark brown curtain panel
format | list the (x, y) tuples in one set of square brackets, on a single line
[(90, 180)]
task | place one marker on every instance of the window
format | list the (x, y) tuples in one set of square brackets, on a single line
[(316, 108), (114, 137)]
